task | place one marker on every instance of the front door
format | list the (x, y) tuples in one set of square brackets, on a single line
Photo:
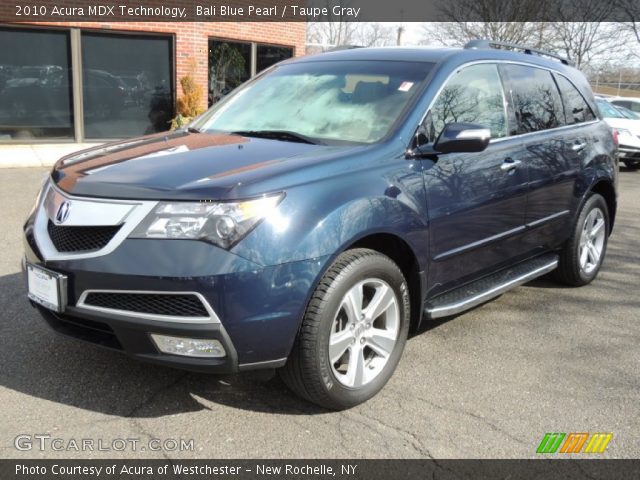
[(476, 201)]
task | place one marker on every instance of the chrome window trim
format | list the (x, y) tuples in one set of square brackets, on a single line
[(496, 62), (212, 318), (130, 219)]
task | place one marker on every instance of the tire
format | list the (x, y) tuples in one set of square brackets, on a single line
[(578, 264), (631, 165), (372, 345)]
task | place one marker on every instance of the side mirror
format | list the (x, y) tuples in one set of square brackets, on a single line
[(462, 137)]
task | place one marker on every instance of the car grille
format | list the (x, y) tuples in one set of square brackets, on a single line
[(80, 239), (175, 305)]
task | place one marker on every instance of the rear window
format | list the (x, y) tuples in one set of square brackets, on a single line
[(534, 97), (576, 109)]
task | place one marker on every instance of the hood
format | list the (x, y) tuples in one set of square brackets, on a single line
[(182, 165)]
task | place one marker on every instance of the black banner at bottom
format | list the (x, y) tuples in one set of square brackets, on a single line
[(318, 469)]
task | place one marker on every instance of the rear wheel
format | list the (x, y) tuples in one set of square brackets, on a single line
[(582, 255), (353, 332)]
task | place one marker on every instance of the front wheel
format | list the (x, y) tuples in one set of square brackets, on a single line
[(353, 332), (582, 255)]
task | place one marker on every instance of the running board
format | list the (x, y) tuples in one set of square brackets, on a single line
[(480, 291)]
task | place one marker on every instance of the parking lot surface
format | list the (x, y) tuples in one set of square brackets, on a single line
[(488, 383)]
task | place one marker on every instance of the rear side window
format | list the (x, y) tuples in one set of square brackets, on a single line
[(473, 95), (535, 98), (576, 109)]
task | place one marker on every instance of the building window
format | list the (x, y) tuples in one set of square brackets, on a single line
[(126, 85), (229, 66), (232, 63), (268, 55), (35, 84)]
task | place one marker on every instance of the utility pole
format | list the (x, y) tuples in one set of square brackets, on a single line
[(399, 36), (619, 80)]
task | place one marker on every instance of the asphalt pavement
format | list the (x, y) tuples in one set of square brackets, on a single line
[(486, 384)]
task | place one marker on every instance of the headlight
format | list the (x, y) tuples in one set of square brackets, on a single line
[(624, 132), (223, 223)]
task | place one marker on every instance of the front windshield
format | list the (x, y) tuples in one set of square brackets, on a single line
[(354, 101), (608, 110)]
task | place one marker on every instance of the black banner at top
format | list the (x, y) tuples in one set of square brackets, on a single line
[(320, 10)]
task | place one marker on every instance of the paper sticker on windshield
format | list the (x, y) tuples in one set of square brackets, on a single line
[(405, 86)]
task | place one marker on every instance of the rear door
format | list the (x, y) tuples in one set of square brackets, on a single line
[(552, 150), (476, 201)]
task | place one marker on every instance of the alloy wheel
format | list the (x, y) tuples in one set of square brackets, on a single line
[(592, 240), (364, 332)]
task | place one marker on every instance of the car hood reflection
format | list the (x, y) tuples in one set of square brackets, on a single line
[(183, 165)]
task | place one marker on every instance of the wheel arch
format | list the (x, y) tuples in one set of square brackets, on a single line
[(605, 188), (396, 248)]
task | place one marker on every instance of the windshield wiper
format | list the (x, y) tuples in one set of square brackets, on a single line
[(284, 135), (193, 130)]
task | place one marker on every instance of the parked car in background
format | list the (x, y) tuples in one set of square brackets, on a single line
[(628, 113), (632, 103), (323, 209), (628, 132), (41, 96)]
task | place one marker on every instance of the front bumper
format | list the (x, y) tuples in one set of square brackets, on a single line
[(255, 310)]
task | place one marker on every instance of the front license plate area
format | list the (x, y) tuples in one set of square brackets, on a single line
[(47, 288)]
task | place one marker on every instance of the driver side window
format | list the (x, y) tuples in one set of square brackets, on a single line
[(473, 95)]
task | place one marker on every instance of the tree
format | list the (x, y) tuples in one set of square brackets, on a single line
[(581, 41), (339, 32), (488, 22), (459, 33)]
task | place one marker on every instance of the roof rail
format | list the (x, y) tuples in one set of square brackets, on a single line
[(474, 44)]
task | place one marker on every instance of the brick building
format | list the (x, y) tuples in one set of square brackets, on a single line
[(80, 82)]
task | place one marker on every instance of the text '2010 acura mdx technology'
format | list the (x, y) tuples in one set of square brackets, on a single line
[(326, 207)]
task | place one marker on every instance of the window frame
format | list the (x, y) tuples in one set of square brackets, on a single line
[(498, 62)]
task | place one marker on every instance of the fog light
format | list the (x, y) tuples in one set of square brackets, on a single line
[(189, 347)]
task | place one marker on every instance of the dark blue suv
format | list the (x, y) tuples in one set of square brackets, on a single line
[(321, 210)]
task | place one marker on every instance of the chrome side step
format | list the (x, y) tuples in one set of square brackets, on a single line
[(480, 291)]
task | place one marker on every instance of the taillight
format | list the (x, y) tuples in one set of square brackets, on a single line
[(615, 137)]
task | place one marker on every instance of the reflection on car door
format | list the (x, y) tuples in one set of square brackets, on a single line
[(554, 155), (476, 201)]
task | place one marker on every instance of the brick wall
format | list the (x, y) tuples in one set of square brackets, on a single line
[(191, 38)]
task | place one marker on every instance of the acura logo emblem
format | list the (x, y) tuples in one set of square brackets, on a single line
[(63, 212)]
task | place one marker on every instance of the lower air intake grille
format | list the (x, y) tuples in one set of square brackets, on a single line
[(176, 305), (80, 239)]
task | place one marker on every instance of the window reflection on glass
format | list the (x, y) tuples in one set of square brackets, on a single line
[(229, 66), (127, 88), (474, 95), (357, 101), (269, 55), (535, 97), (576, 109), (35, 84)]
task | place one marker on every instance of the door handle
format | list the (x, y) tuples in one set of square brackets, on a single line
[(509, 164), (578, 146)]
